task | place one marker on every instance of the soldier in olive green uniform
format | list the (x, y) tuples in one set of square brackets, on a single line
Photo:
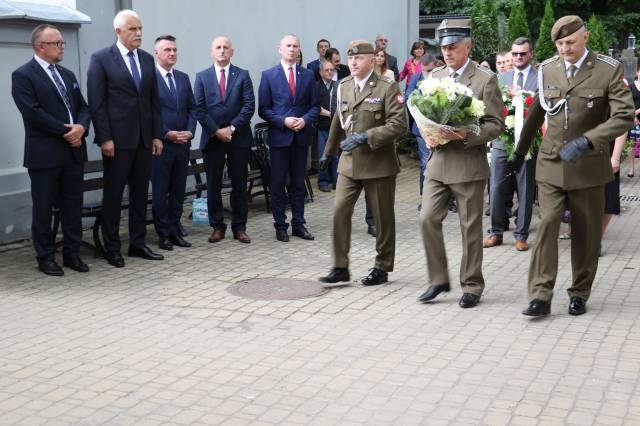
[(587, 104), (369, 118), (459, 167)]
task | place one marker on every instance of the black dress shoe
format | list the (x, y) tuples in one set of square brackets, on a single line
[(433, 291), (281, 235), (537, 308), (75, 263), (165, 244), (301, 232), (468, 300), (371, 230), (144, 252), (114, 258), (376, 277), (336, 275), (577, 306), (50, 267), (177, 240)]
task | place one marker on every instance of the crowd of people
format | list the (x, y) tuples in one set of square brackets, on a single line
[(145, 111)]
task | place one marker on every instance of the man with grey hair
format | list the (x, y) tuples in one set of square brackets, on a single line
[(125, 108), (382, 41)]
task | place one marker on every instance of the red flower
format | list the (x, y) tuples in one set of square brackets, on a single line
[(528, 101), (505, 112)]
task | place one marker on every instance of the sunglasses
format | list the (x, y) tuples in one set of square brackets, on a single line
[(519, 53)]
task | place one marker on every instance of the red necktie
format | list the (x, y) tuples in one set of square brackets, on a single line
[(292, 83), (223, 85)]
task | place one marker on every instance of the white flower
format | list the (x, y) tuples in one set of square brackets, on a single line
[(477, 107), (510, 121)]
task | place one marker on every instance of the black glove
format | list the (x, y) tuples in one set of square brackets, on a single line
[(323, 165), (353, 141), (515, 165), (574, 149)]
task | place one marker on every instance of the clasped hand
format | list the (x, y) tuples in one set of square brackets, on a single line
[(295, 123), (74, 136)]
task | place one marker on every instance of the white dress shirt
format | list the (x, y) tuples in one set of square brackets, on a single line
[(125, 55), (578, 64), (45, 66), (525, 75), (226, 73), (164, 73), (286, 67)]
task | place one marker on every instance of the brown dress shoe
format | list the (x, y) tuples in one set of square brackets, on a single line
[(242, 237), (216, 235), (521, 245), (492, 241)]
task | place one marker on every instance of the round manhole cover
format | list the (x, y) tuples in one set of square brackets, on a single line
[(276, 289)]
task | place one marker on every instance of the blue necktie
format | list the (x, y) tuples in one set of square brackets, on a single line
[(134, 70), (172, 87), (520, 82), (61, 89)]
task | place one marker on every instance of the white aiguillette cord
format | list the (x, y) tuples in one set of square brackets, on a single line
[(552, 110), (349, 121)]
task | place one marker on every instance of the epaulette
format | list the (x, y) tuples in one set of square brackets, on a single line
[(550, 60), (439, 68), (608, 59), (485, 70), (387, 79), (347, 78)]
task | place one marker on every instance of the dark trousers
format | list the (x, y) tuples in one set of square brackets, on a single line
[(502, 191), (60, 186), (130, 167), (288, 161), (215, 156), (169, 179)]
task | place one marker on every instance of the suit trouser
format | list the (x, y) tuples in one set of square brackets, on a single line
[(62, 187), (130, 167), (470, 199), (380, 194), (501, 191), (587, 208), (169, 179), (237, 160), (288, 161)]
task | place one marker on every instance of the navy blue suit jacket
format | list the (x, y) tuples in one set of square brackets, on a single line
[(237, 108), (177, 114), (119, 112), (276, 103), (44, 115)]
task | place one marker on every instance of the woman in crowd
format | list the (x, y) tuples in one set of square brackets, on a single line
[(489, 62), (414, 63), (635, 153), (612, 189), (381, 67)]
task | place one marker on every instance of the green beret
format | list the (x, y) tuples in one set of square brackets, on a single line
[(566, 26), (359, 47)]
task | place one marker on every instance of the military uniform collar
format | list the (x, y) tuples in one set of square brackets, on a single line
[(460, 70), (362, 83), (578, 63)]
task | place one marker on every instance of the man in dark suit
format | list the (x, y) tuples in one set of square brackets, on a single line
[(169, 169), (327, 96), (382, 41), (56, 119), (225, 105), (321, 47), (125, 109), (289, 103), (333, 55), (523, 76)]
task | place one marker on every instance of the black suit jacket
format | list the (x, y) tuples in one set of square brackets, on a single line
[(328, 101), (177, 114), (119, 112), (44, 115), (392, 64)]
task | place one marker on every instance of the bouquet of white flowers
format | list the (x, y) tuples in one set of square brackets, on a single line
[(444, 104)]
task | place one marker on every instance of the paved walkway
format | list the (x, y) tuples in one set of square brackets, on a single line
[(166, 343)]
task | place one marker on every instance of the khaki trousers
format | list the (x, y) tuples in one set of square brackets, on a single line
[(587, 209), (380, 195), (470, 199)]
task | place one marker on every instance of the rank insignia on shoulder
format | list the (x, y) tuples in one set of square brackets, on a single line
[(373, 101), (608, 59), (399, 98)]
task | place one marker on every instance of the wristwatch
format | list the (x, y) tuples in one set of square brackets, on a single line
[(233, 128)]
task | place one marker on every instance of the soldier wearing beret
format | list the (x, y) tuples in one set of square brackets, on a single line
[(586, 103), (460, 168), (369, 119)]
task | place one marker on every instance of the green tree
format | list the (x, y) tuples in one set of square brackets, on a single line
[(545, 48), (484, 29), (598, 40), (518, 24)]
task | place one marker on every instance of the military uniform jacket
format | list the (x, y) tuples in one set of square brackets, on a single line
[(600, 107), (377, 110), (466, 161)]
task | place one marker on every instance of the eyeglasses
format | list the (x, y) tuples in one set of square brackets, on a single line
[(519, 53), (58, 43)]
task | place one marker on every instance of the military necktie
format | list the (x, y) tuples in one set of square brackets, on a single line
[(61, 89), (572, 73), (454, 76), (520, 82)]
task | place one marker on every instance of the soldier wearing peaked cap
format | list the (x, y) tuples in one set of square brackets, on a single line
[(459, 167), (369, 119), (586, 103)]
